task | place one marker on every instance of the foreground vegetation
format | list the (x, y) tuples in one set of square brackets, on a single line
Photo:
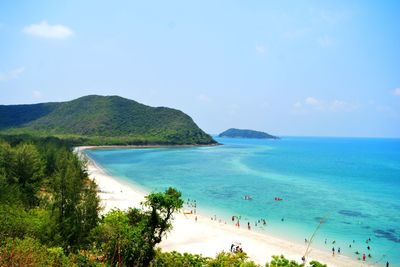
[(49, 216)]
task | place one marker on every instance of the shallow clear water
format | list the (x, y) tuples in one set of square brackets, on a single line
[(353, 183)]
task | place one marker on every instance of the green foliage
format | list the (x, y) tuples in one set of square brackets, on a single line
[(227, 259), (173, 259), (29, 252), (317, 264), (27, 172), (74, 204), (45, 193), (162, 206), (281, 261), (115, 238), (100, 120), (129, 238)]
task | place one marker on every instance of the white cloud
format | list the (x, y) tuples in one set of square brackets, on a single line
[(36, 94), (387, 111), (396, 92), (339, 105), (297, 105), (260, 49), (45, 30), (312, 101), (12, 74)]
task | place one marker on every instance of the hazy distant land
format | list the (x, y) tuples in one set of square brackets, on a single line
[(239, 133)]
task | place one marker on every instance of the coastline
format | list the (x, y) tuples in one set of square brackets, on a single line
[(206, 237), (82, 148)]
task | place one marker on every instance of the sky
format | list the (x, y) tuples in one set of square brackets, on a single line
[(305, 68)]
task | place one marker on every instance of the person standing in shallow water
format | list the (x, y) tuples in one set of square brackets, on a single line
[(333, 251), (387, 264)]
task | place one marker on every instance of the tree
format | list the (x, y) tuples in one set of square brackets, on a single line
[(317, 264), (75, 202), (6, 160), (129, 238), (27, 172), (172, 259), (281, 261)]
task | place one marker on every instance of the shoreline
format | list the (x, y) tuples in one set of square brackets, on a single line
[(82, 148), (206, 236)]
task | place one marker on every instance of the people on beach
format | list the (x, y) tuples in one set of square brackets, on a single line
[(325, 240), (195, 219), (368, 247), (387, 264), (305, 240), (338, 250), (232, 246), (303, 259), (248, 225), (333, 251), (236, 249), (363, 257)]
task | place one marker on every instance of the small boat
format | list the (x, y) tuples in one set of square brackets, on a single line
[(278, 199), (247, 197)]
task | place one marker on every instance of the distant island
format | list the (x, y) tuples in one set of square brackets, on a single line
[(239, 133), (103, 120)]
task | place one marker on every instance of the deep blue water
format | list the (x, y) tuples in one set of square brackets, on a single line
[(352, 183)]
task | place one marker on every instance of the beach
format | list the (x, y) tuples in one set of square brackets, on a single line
[(205, 236)]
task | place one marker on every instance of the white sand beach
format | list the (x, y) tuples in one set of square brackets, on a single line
[(206, 236)]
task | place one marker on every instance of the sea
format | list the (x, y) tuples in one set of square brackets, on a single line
[(335, 192)]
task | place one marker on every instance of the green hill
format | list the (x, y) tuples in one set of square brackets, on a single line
[(101, 120), (238, 133)]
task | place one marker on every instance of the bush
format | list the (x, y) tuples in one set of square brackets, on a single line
[(281, 261), (228, 259), (30, 252), (172, 259)]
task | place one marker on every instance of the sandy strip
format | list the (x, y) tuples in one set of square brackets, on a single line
[(206, 236)]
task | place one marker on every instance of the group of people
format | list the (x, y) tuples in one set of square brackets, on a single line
[(235, 248), (256, 223), (364, 255), (192, 204)]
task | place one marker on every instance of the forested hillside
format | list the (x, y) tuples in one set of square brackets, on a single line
[(101, 120)]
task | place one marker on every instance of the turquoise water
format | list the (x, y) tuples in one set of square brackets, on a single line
[(353, 183)]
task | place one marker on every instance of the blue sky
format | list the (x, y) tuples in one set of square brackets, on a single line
[(320, 68)]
